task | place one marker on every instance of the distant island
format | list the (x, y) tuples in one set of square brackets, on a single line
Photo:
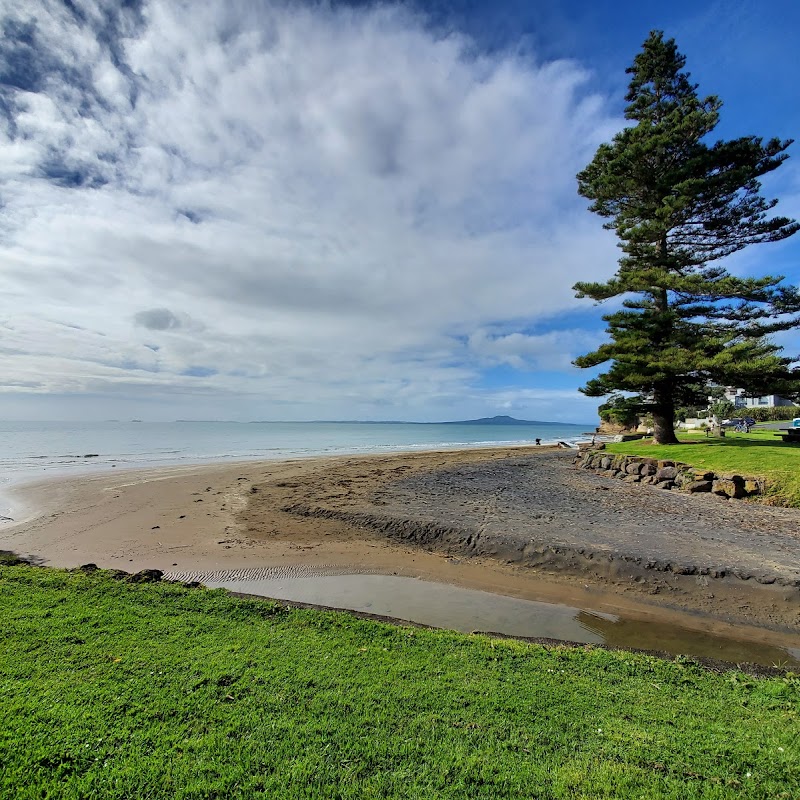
[(500, 420)]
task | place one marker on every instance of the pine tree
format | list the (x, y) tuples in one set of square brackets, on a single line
[(678, 205)]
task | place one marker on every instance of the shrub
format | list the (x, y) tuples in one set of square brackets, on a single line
[(775, 414)]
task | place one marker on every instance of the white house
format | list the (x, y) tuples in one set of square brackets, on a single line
[(740, 400)]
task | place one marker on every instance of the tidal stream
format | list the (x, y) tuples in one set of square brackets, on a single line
[(451, 607)]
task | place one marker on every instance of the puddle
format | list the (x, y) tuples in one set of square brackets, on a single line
[(444, 606)]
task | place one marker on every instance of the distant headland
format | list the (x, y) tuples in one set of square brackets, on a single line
[(499, 420)]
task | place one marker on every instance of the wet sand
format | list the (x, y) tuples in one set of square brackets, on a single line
[(516, 521)]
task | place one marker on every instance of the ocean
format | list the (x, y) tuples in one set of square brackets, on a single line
[(31, 450)]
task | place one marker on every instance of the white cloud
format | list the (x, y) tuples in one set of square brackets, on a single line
[(335, 198), (554, 350), (558, 405)]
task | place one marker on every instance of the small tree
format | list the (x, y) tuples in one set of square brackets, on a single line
[(720, 410), (678, 204), (620, 410)]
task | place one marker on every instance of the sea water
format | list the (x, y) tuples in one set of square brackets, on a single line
[(36, 450), (30, 450)]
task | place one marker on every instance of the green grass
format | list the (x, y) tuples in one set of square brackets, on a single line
[(116, 690), (759, 453)]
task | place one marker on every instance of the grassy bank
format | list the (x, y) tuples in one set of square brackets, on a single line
[(120, 690), (758, 453)]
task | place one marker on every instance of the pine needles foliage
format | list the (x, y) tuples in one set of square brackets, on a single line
[(679, 204)]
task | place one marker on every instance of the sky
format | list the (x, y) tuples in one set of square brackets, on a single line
[(343, 210)]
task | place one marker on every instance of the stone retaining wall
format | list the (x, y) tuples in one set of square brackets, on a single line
[(668, 474)]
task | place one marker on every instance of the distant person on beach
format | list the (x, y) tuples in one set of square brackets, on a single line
[(538, 441)]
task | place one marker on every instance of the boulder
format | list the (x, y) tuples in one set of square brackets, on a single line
[(147, 576), (8, 558), (667, 472), (731, 476), (753, 486), (729, 487), (684, 478)]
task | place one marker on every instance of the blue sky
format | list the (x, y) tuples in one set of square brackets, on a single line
[(346, 211)]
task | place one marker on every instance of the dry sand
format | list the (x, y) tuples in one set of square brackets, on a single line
[(424, 515)]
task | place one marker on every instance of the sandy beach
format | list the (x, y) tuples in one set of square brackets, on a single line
[(517, 521)]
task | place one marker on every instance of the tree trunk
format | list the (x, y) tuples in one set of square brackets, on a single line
[(664, 416), (663, 427), (664, 402)]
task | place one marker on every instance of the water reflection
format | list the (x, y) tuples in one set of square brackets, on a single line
[(456, 608), (620, 632)]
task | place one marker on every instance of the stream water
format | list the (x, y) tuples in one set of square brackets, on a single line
[(444, 606)]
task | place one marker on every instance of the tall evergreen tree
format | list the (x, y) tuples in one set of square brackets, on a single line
[(678, 204)]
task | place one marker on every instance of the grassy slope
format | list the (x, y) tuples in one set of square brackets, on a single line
[(759, 453), (113, 690)]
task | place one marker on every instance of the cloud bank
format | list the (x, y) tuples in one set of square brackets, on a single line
[(296, 210)]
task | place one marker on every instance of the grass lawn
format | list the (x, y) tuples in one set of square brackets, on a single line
[(120, 690), (758, 453)]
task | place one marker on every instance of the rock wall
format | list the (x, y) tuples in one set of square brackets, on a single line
[(668, 474)]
